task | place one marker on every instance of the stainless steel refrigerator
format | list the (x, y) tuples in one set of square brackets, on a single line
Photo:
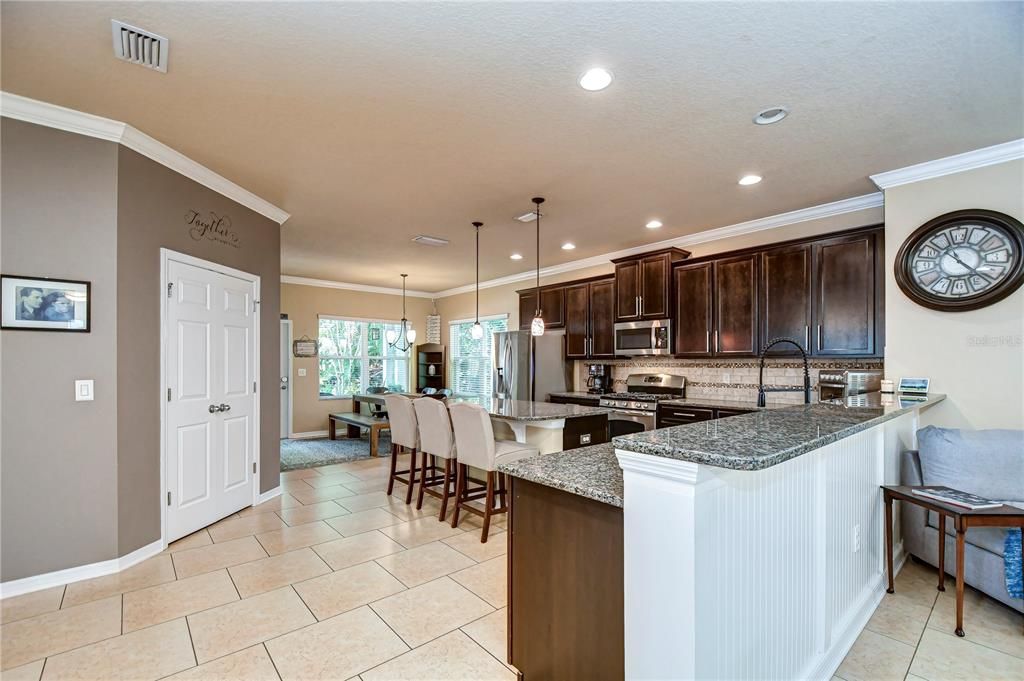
[(530, 367)]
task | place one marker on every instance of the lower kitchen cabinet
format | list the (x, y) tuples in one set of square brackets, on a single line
[(673, 415)]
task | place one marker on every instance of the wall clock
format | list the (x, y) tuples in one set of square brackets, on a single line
[(962, 261)]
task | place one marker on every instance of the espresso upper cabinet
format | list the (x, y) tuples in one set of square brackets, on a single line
[(643, 285), (847, 298), (735, 295), (785, 298), (693, 314), (589, 315), (552, 299)]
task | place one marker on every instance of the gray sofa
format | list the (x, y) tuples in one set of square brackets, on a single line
[(988, 463)]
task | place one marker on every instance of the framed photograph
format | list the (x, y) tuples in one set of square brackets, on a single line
[(914, 386), (42, 304)]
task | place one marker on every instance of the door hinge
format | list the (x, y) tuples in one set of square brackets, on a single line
[(170, 287), (254, 386), (254, 304), (253, 466), (168, 498), (168, 394)]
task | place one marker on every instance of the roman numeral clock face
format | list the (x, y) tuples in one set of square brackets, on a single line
[(962, 261)]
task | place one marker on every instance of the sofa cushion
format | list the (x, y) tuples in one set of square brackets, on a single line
[(989, 463)]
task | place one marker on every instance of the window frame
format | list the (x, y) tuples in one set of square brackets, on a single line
[(364, 357)]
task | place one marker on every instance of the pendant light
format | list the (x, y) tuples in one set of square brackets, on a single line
[(477, 332), (402, 338), (537, 325)]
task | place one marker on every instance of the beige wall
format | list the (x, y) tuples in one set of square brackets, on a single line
[(303, 304), (503, 299), (977, 357)]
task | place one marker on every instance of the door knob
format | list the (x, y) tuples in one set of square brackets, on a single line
[(214, 409), (225, 407)]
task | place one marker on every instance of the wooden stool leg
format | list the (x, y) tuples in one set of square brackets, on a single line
[(888, 541), (423, 480), (942, 552), (444, 492), (394, 467), (412, 476), (460, 487), (502, 500), (960, 532), (488, 507)]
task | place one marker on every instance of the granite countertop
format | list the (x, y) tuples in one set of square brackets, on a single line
[(591, 472), (522, 410), (769, 437), (715, 403)]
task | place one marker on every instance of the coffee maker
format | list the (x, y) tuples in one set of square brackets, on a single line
[(599, 379)]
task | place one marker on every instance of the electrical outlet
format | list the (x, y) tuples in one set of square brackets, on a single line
[(727, 378), (856, 538), (302, 372)]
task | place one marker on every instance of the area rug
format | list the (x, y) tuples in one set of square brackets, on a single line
[(323, 451)]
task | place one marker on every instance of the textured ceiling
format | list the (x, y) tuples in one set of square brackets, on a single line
[(371, 123)]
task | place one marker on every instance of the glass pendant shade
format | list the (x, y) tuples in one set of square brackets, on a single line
[(477, 332), (537, 326), (391, 336), (410, 335)]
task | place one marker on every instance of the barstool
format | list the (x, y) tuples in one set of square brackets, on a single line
[(436, 440), (404, 435), (474, 439)]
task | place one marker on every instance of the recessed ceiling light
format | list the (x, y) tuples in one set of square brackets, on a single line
[(528, 217), (516, 256), (596, 79), (430, 240), (772, 114), (653, 224), (747, 180), (568, 246)]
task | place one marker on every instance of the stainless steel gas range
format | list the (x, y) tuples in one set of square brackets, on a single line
[(636, 409)]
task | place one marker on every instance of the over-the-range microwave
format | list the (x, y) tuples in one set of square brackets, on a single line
[(652, 337)]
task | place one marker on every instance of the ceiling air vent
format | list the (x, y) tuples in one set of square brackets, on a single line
[(139, 47), (430, 240)]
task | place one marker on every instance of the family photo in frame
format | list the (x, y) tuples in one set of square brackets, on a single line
[(43, 304)]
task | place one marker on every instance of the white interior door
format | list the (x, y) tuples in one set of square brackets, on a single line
[(210, 368), (286, 377)]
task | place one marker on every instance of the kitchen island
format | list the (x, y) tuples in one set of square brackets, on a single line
[(751, 547)]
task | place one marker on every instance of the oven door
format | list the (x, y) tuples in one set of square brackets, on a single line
[(643, 338), (623, 422)]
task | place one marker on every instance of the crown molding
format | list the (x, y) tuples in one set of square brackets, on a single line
[(345, 286), (979, 158), (825, 210), (81, 123)]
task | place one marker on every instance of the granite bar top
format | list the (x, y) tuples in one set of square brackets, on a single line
[(591, 472), (766, 438), (715, 403), (522, 410)]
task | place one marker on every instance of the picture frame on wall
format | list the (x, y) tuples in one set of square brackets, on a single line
[(44, 304)]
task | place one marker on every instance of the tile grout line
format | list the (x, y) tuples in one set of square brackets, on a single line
[(271, 658), (191, 642), (470, 637)]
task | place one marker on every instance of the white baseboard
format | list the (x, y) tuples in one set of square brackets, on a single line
[(309, 435), (16, 587), (269, 494)]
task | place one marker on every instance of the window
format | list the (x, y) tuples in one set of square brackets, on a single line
[(471, 358), (355, 356)]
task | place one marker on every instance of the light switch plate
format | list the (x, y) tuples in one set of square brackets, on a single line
[(302, 372), (84, 390)]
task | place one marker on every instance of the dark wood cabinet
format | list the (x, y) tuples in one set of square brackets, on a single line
[(589, 325), (676, 415), (552, 299), (693, 314), (735, 295), (643, 285), (846, 300), (786, 297), (585, 401)]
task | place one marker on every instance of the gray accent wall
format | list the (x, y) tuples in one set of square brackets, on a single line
[(80, 481), (58, 484)]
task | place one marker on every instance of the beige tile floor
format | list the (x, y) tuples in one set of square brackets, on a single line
[(334, 580)]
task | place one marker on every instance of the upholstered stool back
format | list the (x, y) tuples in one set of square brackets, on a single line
[(435, 427), (474, 435), (402, 418)]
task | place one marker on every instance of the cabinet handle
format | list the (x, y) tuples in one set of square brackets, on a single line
[(716, 340), (707, 341), (807, 338), (636, 306), (641, 306), (819, 337)]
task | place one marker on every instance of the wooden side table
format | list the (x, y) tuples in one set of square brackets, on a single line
[(963, 518)]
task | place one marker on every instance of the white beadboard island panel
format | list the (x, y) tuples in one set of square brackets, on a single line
[(756, 574)]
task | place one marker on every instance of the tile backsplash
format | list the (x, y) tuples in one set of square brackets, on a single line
[(729, 379)]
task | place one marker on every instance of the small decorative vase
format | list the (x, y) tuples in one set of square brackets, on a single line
[(431, 370)]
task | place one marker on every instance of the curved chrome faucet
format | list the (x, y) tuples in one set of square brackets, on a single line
[(761, 390)]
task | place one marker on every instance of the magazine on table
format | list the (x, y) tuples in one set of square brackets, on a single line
[(957, 498)]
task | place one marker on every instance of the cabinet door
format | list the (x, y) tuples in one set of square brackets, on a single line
[(654, 287), (552, 303), (844, 296), (602, 319), (577, 321), (786, 297), (627, 291), (680, 416), (693, 310), (527, 306), (736, 306)]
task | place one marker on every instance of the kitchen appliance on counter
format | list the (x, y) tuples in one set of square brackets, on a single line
[(599, 379), (834, 385), (529, 367), (652, 337), (636, 410)]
